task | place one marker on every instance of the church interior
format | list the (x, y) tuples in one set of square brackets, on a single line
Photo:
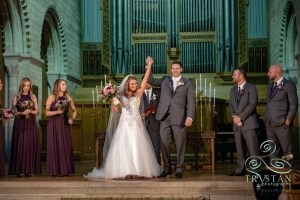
[(90, 43)]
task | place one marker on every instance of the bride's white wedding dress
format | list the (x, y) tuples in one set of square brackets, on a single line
[(130, 151)]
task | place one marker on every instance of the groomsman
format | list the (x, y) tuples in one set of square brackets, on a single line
[(280, 111), (151, 97), (242, 106)]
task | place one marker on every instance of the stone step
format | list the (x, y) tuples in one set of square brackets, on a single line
[(116, 197)]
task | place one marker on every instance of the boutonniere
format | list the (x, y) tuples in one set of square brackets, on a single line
[(242, 92), (153, 97), (180, 83), (280, 86)]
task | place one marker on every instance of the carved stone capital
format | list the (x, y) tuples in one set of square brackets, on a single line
[(12, 63)]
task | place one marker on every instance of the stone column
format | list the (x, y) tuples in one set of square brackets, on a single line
[(12, 63), (51, 77)]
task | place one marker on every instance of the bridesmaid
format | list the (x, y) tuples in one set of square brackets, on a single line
[(25, 153), (59, 142), (2, 161)]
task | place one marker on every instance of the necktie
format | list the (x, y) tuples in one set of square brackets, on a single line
[(238, 96), (174, 84), (148, 97), (274, 87)]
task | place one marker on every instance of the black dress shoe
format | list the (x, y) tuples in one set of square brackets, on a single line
[(165, 174), (237, 174), (178, 175)]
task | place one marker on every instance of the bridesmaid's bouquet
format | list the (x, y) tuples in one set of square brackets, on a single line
[(7, 113), (61, 105), (110, 93), (27, 104)]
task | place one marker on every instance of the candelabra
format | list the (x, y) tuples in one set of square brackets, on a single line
[(207, 108), (99, 108)]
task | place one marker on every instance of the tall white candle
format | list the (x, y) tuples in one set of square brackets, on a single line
[(214, 97), (196, 88), (205, 87), (104, 80), (200, 83), (97, 94), (93, 99), (209, 91)]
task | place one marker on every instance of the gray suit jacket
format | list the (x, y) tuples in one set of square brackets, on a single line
[(180, 103), (150, 119), (282, 104), (244, 106)]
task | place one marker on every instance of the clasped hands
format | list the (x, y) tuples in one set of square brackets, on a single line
[(27, 111), (237, 120), (149, 60)]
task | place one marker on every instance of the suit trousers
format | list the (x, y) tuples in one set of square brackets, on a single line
[(281, 136), (155, 139), (179, 133), (243, 138)]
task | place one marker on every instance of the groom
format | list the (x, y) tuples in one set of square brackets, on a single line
[(176, 111)]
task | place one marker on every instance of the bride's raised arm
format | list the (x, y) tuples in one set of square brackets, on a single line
[(149, 62)]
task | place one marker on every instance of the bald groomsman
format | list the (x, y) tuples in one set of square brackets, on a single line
[(280, 111)]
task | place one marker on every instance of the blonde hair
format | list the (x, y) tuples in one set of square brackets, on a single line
[(22, 84), (126, 90), (56, 89)]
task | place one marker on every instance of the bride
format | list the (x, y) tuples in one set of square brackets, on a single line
[(130, 151)]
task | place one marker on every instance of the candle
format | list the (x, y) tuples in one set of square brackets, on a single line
[(200, 83), (205, 87), (97, 94), (196, 88), (109, 82), (209, 91), (104, 80), (214, 97), (93, 99)]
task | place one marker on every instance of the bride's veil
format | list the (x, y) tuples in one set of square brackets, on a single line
[(113, 121)]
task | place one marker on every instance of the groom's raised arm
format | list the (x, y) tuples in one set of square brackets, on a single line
[(154, 81)]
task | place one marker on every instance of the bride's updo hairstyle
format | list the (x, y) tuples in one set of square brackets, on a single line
[(127, 90)]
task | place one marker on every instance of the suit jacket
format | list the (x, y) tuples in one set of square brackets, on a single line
[(180, 103), (244, 106), (150, 119), (282, 104)]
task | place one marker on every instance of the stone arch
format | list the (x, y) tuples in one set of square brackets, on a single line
[(53, 48), (288, 47)]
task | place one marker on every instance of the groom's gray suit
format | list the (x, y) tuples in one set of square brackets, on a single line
[(281, 104), (244, 106), (173, 109)]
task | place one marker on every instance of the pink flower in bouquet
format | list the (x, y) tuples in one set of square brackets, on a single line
[(8, 113), (27, 104), (109, 93), (61, 105)]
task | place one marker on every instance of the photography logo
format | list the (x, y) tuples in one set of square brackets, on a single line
[(279, 168)]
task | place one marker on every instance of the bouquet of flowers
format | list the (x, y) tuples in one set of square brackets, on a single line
[(7, 113), (110, 92), (27, 104), (61, 105)]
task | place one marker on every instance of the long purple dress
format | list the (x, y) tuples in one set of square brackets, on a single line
[(25, 151), (60, 160), (2, 161)]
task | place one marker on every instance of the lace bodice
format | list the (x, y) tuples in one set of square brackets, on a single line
[(130, 110)]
